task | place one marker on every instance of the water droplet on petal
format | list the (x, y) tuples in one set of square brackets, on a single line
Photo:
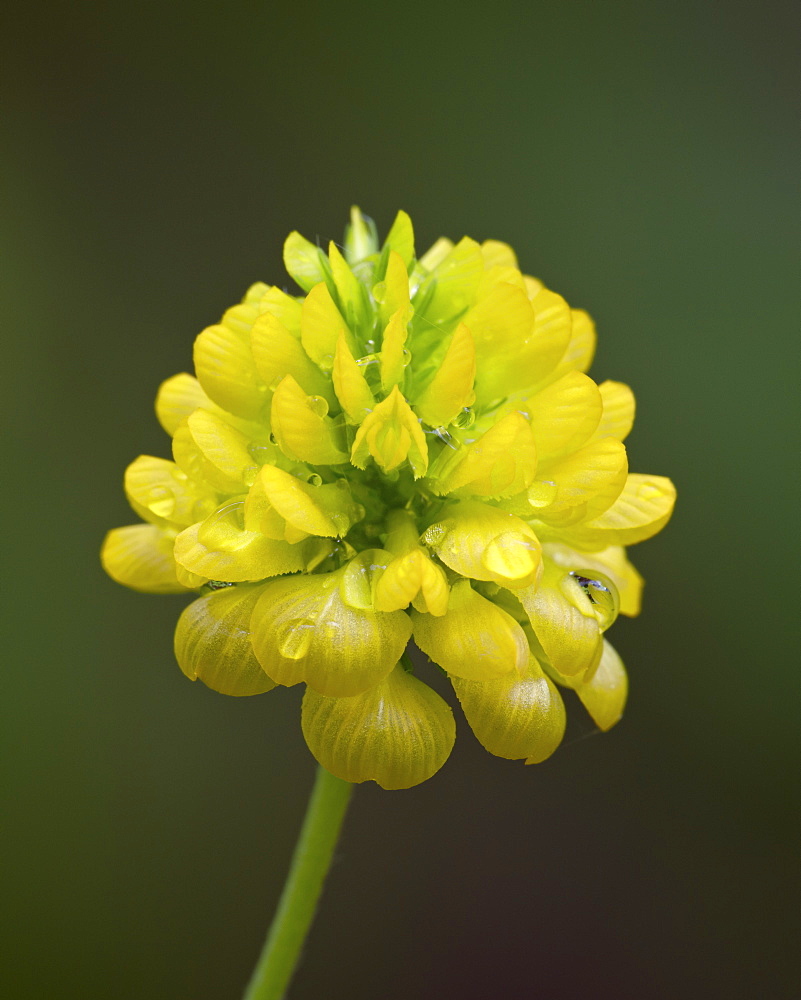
[(602, 595), (465, 419), (317, 405), (294, 638), (542, 492), (314, 480), (434, 535)]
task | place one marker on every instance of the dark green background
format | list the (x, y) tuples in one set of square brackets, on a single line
[(641, 158)]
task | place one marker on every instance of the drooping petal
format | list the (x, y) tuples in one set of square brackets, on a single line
[(586, 473), (391, 434), (564, 415), (212, 642), (140, 556), (642, 509), (475, 639), (564, 620), (580, 349), (481, 542), (227, 372), (177, 398), (221, 549), (302, 630), (618, 410), (500, 463), (160, 492), (398, 733), (230, 465), (451, 388), (302, 428), (604, 694), (516, 717)]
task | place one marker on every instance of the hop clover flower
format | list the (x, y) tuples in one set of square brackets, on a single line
[(409, 450)]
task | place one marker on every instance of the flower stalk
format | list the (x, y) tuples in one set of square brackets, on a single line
[(304, 885)]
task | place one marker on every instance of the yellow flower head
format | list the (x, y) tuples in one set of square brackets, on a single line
[(408, 450)]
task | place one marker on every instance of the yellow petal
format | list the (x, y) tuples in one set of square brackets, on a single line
[(361, 239), (436, 253), (212, 642), (220, 549), (304, 261), (412, 577), (391, 434), (304, 631), (320, 326), (316, 510), (604, 694), (177, 398), (553, 328), (451, 388), (400, 238), (393, 356), (564, 415), (350, 385), (352, 295), (285, 308), (580, 350), (392, 293), (501, 463), (399, 733), (227, 372), (501, 324), (475, 639), (277, 353), (564, 620), (163, 494), (301, 427), (224, 448), (140, 556), (498, 254), (618, 410), (642, 509), (598, 466), (454, 281), (485, 543), (516, 717)]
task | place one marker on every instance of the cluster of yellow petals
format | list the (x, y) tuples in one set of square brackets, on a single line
[(410, 450)]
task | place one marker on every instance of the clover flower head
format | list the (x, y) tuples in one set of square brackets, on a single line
[(410, 449)]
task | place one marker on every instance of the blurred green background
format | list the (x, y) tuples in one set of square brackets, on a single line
[(640, 158)]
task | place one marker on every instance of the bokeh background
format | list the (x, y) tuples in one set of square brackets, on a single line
[(641, 158)]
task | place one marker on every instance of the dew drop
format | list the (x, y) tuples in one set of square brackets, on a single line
[(466, 418), (317, 405), (314, 480), (434, 535), (602, 595), (367, 360), (295, 637), (260, 453), (542, 492)]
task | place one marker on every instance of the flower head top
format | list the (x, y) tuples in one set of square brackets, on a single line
[(410, 448)]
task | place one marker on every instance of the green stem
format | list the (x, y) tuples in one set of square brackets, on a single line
[(304, 884)]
